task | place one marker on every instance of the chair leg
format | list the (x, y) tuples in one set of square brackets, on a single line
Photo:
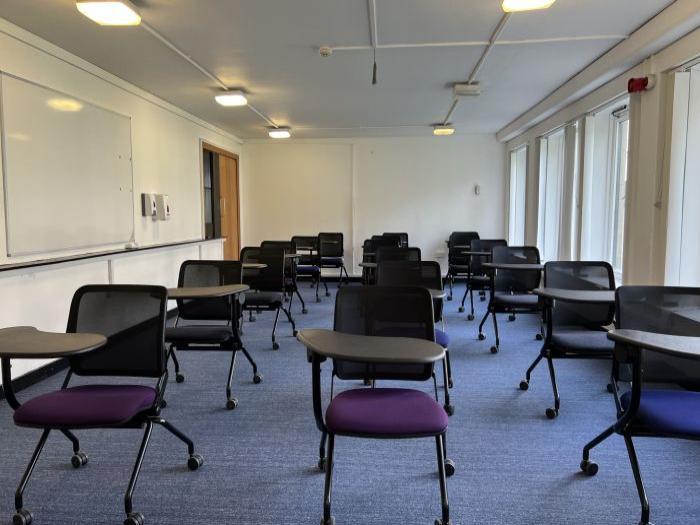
[(443, 481), (643, 500), (231, 402), (291, 299), (73, 439), (325, 285), (322, 452), (288, 313), (450, 409), (328, 488), (464, 298), (128, 507), (449, 282), (178, 376), (494, 349), (340, 277), (470, 317), (318, 283), (23, 513), (525, 384), (275, 345), (588, 466), (450, 382), (347, 276), (481, 326), (553, 412), (303, 304), (257, 378)]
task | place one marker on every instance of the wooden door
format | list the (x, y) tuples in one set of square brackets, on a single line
[(228, 206)]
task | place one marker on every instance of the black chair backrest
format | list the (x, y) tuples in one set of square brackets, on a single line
[(330, 245), (132, 317), (386, 311), (516, 281), (426, 274), (304, 243), (664, 310), (483, 245), (269, 279), (580, 275), (386, 253), (403, 238), (379, 241), (288, 247), (207, 273), (455, 245)]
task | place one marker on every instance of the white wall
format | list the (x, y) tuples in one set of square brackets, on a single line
[(424, 186), (166, 159)]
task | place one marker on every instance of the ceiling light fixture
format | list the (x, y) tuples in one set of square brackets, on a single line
[(513, 6), (232, 98), (282, 132), (443, 130), (110, 13)]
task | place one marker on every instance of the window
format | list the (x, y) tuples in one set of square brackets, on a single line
[(518, 180), (605, 184), (551, 176)]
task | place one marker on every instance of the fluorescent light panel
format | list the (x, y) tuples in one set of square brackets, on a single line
[(231, 98), (443, 131), (110, 13), (279, 133), (512, 6)]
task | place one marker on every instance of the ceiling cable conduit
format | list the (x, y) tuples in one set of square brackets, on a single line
[(475, 72), (150, 29), (373, 36)]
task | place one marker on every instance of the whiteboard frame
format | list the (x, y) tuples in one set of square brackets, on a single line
[(3, 147)]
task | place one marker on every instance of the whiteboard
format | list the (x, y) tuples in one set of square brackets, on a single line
[(66, 170)]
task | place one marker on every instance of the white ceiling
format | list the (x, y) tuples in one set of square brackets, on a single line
[(270, 49)]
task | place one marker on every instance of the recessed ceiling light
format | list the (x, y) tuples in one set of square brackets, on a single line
[(110, 13), (64, 104), (282, 132), (512, 6), (231, 98), (443, 130)]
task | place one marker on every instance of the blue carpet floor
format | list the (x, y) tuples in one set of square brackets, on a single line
[(513, 465)]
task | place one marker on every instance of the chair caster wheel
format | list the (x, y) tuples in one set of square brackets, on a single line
[(470, 317), (611, 388), (461, 309), (257, 379), (368, 382), (511, 318), (440, 522), (304, 311), (330, 521), (524, 385), (589, 468), (79, 459), (231, 404), (163, 404), (134, 518), (450, 409), (195, 461), (551, 413), (450, 468), (494, 349), (450, 383), (22, 517), (179, 378), (482, 337), (322, 464), (275, 346), (251, 319), (449, 297), (318, 299), (482, 298), (539, 337), (295, 332), (328, 294)]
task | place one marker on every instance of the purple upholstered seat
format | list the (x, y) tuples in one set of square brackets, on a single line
[(387, 412), (442, 338), (669, 412), (86, 406)]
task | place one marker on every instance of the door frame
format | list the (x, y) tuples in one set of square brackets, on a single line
[(208, 146)]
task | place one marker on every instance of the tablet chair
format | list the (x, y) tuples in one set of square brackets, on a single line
[(478, 277), (458, 263), (290, 271), (575, 330), (381, 311), (331, 251), (267, 286), (664, 399), (210, 324), (511, 290), (309, 263), (133, 320)]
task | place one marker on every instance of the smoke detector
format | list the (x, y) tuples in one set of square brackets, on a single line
[(325, 51)]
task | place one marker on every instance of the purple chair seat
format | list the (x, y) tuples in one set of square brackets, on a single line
[(669, 412), (87, 406), (332, 261), (308, 269), (385, 412), (442, 338)]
